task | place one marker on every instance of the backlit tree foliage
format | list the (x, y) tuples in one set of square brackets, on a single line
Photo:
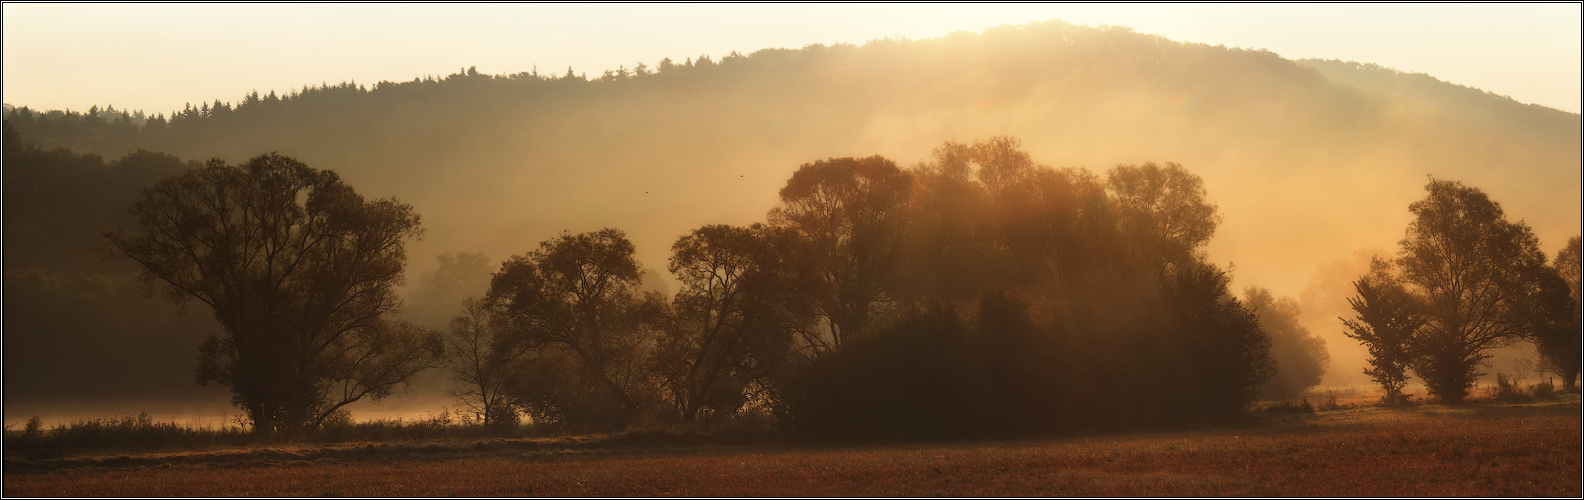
[(1387, 318), (573, 306), (298, 269), (1466, 281)]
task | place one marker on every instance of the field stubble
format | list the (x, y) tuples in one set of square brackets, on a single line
[(1425, 450)]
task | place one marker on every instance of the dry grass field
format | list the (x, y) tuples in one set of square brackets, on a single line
[(1425, 450)]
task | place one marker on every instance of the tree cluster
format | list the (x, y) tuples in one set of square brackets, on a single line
[(979, 293), (1465, 281)]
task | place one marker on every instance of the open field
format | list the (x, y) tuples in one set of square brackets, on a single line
[(1425, 450)]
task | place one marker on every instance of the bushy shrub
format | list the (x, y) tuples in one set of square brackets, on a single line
[(1291, 407), (136, 434), (1506, 390), (1543, 390), (910, 379)]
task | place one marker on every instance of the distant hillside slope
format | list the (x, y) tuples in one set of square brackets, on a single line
[(1494, 113), (1308, 160)]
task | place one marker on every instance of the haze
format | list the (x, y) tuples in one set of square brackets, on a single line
[(1311, 159)]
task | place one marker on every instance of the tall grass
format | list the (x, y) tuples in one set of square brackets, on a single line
[(142, 434), (1508, 390), (139, 434), (441, 426)]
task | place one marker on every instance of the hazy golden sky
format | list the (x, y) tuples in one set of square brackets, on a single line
[(158, 57)]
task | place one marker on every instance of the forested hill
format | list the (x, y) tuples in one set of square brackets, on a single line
[(1307, 160), (1497, 114)]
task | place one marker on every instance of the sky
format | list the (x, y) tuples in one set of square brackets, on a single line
[(159, 57)]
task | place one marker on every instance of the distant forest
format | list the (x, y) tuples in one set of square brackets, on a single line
[(496, 164)]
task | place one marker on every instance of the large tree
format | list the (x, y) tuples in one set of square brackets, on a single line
[(1301, 357), (847, 215), (572, 306), (298, 269), (1386, 318), (1558, 336), (1479, 277), (734, 318), (482, 365)]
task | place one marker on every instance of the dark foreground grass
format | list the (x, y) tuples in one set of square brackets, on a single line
[(1428, 450)]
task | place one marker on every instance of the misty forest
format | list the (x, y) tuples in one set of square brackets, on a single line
[(1035, 231)]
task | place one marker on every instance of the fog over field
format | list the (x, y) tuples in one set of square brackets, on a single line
[(1311, 165)]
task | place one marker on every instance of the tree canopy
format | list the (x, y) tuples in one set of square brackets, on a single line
[(1479, 275), (734, 320), (1387, 319), (846, 213), (1558, 334), (573, 305), (298, 269)]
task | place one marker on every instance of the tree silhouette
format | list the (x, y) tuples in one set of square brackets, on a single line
[(1558, 337), (482, 369), (576, 296), (1069, 328), (732, 318), (298, 269), (1388, 316), (846, 212), (1227, 353), (1479, 277), (1300, 356)]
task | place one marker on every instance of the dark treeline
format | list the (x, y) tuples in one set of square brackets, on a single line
[(58, 201), (75, 325)]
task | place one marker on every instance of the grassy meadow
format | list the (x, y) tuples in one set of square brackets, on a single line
[(1490, 448)]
